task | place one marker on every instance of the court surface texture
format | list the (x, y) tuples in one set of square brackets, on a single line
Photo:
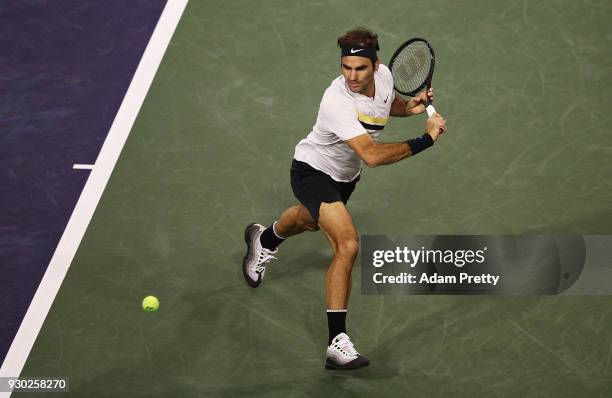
[(141, 139)]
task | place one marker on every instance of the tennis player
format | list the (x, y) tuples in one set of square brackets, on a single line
[(327, 166)]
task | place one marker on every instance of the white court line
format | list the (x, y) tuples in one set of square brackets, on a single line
[(83, 166), (94, 187)]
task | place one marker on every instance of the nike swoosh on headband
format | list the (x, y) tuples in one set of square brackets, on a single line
[(356, 51)]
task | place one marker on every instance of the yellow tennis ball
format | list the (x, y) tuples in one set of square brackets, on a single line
[(150, 304)]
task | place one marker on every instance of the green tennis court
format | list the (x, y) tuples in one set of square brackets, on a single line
[(524, 87)]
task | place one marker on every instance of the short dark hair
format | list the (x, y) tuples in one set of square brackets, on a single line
[(359, 37)]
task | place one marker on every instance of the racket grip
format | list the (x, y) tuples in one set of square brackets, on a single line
[(430, 110)]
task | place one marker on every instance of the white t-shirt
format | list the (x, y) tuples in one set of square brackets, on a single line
[(343, 115)]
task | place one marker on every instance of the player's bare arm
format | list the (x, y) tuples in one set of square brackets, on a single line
[(375, 154), (414, 106)]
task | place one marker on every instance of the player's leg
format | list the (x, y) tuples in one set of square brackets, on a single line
[(295, 220), (337, 224), (292, 221), (262, 243)]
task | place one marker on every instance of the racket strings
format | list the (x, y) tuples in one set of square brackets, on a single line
[(411, 67)]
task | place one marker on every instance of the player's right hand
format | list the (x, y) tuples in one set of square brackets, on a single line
[(436, 125)]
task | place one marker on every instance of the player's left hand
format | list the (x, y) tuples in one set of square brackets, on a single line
[(424, 97), (416, 105)]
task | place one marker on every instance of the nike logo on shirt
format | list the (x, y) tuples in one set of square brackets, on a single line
[(386, 98)]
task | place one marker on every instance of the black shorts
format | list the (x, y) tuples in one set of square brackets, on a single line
[(313, 187)]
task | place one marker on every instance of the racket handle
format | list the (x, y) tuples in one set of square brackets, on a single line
[(430, 110)]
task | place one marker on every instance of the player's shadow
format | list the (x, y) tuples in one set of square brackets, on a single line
[(224, 334), (254, 328), (216, 352)]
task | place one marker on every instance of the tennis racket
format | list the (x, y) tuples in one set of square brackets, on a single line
[(412, 67)]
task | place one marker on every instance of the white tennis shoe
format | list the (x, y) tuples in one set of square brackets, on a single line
[(342, 355), (256, 257)]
